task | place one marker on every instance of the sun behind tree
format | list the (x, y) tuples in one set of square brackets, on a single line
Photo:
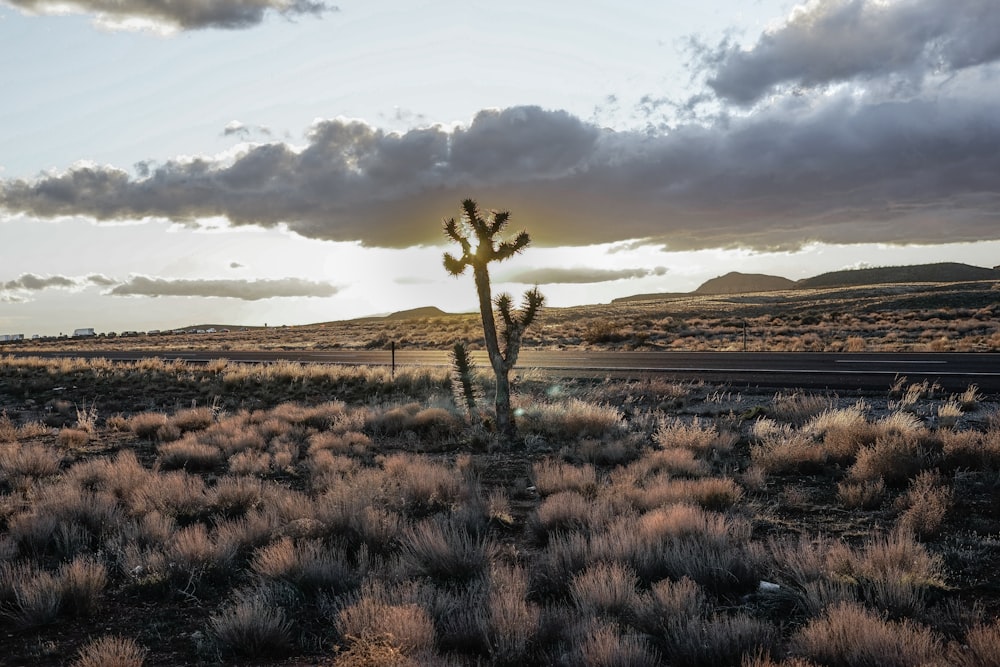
[(486, 233)]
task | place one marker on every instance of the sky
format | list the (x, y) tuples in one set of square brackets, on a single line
[(291, 161)]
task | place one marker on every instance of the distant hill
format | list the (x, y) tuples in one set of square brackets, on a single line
[(944, 272), (735, 282), (418, 313), (742, 283)]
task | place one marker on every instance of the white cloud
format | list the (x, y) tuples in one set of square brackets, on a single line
[(833, 41), (247, 290)]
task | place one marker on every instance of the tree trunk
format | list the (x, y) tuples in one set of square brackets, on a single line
[(505, 417)]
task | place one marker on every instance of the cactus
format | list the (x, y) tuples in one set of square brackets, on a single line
[(473, 227), (461, 380)]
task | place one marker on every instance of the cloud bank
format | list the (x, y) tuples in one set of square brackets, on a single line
[(578, 276), (177, 14), (881, 124), (836, 169), (246, 290), (14, 291), (834, 41), (32, 283)]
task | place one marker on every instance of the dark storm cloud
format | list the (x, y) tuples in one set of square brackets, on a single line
[(180, 14), (33, 283), (836, 169), (581, 275), (832, 41), (247, 290)]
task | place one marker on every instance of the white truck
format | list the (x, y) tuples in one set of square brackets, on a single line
[(81, 333)]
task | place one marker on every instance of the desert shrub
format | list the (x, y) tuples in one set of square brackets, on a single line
[(722, 640), (848, 635), (925, 504), (190, 455), (605, 589), (893, 572), (65, 521), (444, 552), (110, 651), (710, 493), (669, 605), (437, 423), (697, 435), (971, 449), (73, 437), (894, 458), (797, 408), (8, 429), (792, 453), (117, 423), (866, 495), (900, 423), (37, 600), (842, 431), (571, 420), (176, 494), (948, 413), (563, 557), (606, 452), (233, 496), (677, 461), (250, 462), (307, 564), (122, 477), (252, 625), (404, 626), (194, 552), (678, 541), (969, 399), (513, 620), (564, 511), (82, 581), (239, 536), (601, 644), (147, 424), (419, 486), (193, 419), (349, 442), (982, 644), (29, 460), (553, 476)]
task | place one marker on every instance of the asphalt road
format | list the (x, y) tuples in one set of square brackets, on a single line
[(807, 370)]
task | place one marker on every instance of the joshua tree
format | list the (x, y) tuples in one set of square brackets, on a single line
[(474, 228)]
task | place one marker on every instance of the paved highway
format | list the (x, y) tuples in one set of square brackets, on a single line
[(807, 370)]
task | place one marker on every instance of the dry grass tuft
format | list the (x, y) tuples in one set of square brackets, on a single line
[(111, 651), (554, 476), (848, 635), (698, 435), (798, 408), (252, 625), (404, 626), (606, 589), (866, 495), (926, 503)]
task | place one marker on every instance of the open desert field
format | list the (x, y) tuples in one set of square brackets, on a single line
[(161, 513), (917, 317)]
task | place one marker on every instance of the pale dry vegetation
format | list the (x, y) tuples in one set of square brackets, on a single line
[(638, 522)]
